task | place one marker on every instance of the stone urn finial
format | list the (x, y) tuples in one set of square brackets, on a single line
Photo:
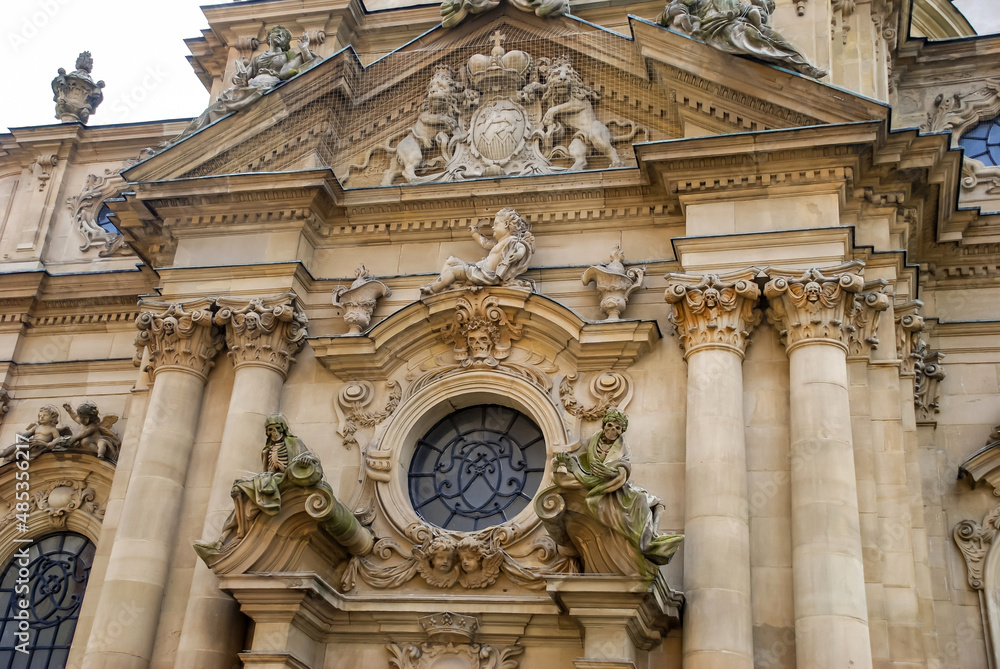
[(76, 94), (358, 301), (614, 283)]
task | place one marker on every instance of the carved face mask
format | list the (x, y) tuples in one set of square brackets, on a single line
[(470, 562), (443, 561)]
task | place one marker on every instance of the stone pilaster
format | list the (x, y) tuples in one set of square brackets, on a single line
[(263, 335), (815, 313), (181, 342), (714, 316)]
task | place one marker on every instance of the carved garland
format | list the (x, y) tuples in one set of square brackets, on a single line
[(612, 389)]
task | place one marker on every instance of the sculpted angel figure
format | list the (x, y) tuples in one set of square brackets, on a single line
[(438, 562), (600, 468), (737, 26), (95, 435), (480, 566), (282, 452), (41, 437), (510, 248)]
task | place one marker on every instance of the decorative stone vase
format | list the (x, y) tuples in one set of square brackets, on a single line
[(358, 301), (614, 283), (76, 94)]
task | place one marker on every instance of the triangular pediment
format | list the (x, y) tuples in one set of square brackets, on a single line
[(388, 122)]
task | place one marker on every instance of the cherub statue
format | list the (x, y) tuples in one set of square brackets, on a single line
[(95, 435), (438, 562), (40, 437), (599, 469), (480, 566), (282, 453), (510, 248)]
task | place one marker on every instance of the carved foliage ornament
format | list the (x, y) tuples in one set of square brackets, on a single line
[(512, 118), (909, 325), (178, 334), (974, 540), (444, 559), (823, 304), (612, 390), (267, 331), (959, 113), (59, 499), (352, 402), (714, 309), (927, 375)]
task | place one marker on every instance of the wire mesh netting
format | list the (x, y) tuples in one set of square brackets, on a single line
[(491, 100)]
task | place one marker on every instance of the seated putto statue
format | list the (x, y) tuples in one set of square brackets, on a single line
[(95, 435), (286, 461), (592, 495), (737, 26), (264, 72), (510, 247)]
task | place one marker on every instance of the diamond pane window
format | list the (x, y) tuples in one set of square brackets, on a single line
[(476, 468), (983, 142), (58, 568)]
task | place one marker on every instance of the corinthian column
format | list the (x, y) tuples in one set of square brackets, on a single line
[(817, 313), (181, 341), (714, 316), (263, 335)]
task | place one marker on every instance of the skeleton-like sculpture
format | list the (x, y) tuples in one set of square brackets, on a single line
[(595, 510), (286, 461), (737, 26), (264, 72), (76, 94), (510, 248)]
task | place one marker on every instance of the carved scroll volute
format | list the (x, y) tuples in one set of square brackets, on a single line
[(865, 313), (714, 310), (815, 304), (266, 331), (177, 335), (909, 325), (974, 540)]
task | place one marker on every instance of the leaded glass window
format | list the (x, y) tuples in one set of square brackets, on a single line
[(983, 142), (476, 468), (58, 568)]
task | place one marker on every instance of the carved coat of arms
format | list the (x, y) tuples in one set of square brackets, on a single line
[(503, 114)]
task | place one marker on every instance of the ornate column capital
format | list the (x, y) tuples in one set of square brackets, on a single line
[(833, 304), (265, 331), (177, 335), (714, 310)]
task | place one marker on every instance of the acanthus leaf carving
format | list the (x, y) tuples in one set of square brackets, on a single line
[(445, 559), (263, 330), (814, 304), (865, 313), (909, 325), (59, 499), (927, 375), (974, 540), (714, 309), (178, 334)]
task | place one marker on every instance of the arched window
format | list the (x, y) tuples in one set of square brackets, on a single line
[(476, 468), (983, 142), (58, 566)]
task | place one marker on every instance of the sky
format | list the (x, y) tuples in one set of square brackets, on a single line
[(138, 49)]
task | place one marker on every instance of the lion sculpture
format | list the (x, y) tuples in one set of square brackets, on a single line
[(569, 102), (438, 127)]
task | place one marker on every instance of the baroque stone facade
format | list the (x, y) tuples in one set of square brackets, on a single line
[(351, 370)]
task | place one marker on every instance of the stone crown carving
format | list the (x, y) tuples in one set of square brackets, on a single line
[(714, 309), (264, 330), (179, 334)]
